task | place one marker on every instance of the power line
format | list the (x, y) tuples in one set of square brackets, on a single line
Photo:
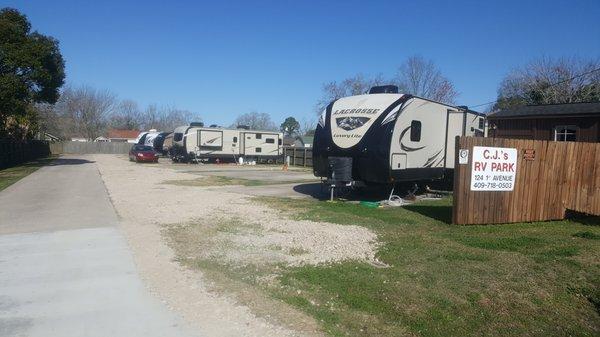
[(550, 86)]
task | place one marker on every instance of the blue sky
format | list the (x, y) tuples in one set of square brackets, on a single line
[(223, 58)]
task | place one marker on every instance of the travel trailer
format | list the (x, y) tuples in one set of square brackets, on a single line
[(385, 138), (147, 137), (153, 138), (167, 143), (158, 142), (196, 142)]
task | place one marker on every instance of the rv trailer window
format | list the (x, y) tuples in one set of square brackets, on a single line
[(259, 136), (258, 149), (235, 139), (270, 141), (177, 137), (279, 142), (415, 131)]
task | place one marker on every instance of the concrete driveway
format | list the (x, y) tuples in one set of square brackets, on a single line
[(65, 268)]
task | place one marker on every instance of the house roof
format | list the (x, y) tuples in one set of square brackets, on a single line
[(306, 139), (127, 134), (288, 140), (549, 110)]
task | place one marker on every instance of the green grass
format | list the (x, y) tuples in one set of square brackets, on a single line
[(534, 279), (13, 174), (529, 279), (226, 181)]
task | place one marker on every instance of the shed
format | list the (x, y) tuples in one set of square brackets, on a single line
[(561, 122)]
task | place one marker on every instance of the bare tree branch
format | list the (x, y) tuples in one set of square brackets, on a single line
[(356, 85), (127, 115), (548, 81), (256, 120), (421, 77), (88, 109)]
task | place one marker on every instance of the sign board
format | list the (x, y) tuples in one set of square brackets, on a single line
[(493, 169), (529, 154), (463, 156)]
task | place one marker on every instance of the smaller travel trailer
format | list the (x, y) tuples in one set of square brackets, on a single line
[(158, 142), (197, 142), (147, 137), (386, 138), (152, 138), (167, 143)]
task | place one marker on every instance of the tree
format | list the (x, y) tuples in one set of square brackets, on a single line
[(87, 108), (166, 118), (171, 117), (52, 121), (256, 120), (355, 85), (290, 127), (127, 116), (421, 77), (31, 71), (550, 81), (307, 127), (415, 76)]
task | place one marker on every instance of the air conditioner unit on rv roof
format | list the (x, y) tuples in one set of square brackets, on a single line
[(384, 89)]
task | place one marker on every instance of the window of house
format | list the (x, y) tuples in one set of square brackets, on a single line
[(270, 141), (259, 136), (415, 131), (235, 139), (565, 133), (481, 123), (258, 149), (177, 137)]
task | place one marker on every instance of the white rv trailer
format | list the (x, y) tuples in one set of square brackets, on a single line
[(147, 137), (385, 137), (225, 144), (152, 138)]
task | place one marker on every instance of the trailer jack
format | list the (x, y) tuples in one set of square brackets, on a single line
[(333, 184)]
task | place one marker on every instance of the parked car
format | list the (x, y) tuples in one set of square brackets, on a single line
[(143, 153)]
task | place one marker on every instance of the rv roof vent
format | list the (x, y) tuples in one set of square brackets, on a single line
[(464, 107), (245, 127), (213, 126), (199, 124), (152, 130), (384, 89)]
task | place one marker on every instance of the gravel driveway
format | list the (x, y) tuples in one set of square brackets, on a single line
[(146, 204)]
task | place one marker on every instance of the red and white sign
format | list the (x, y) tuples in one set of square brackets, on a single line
[(494, 169)]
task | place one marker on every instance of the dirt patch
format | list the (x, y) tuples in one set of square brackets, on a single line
[(273, 240), (230, 228)]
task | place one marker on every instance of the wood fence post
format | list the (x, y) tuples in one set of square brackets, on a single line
[(304, 161)]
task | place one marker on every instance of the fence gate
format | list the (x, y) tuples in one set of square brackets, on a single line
[(512, 180)]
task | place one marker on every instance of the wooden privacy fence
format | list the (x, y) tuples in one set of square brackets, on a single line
[(299, 156), (548, 178), (90, 147), (17, 152)]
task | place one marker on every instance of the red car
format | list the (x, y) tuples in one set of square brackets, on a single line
[(143, 153)]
